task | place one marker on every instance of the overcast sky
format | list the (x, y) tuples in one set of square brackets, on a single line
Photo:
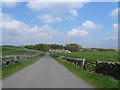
[(90, 24)]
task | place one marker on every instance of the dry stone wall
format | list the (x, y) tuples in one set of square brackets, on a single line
[(6, 60), (77, 61), (101, 67), (108, 68)]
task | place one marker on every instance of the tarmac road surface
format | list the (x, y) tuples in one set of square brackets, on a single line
[(45, 73)]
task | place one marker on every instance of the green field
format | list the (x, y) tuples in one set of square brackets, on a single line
[(15, 50), (92, 56)]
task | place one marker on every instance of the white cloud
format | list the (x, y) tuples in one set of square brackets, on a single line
[(5, 16), (91, 25), (11, 27), (113, 34), (14, 24), (66, 10), (49, 18), (74, 12), (114, 13), (77, 33), (8, 23), (56, 7), (83, 30), (0, 9), (111, 38), (18, 33), (65, 6), (115, 27), (114, 30), (45, 29)]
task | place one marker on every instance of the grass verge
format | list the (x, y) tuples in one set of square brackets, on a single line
[(96, 80), (12, 68)]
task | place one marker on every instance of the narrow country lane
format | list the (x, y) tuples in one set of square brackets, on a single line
[(45, 73)]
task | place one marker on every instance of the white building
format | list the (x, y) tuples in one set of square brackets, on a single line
[(60, 50)]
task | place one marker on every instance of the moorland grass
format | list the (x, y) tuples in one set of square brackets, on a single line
[(92, 56), (96, 80), (12, 68)]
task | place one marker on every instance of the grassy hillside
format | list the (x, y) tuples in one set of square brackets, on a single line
[(15, 50), (93, 56)]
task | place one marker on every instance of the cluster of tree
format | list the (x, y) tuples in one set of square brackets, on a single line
[(41, 47), (46, 47), (73, 47)]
